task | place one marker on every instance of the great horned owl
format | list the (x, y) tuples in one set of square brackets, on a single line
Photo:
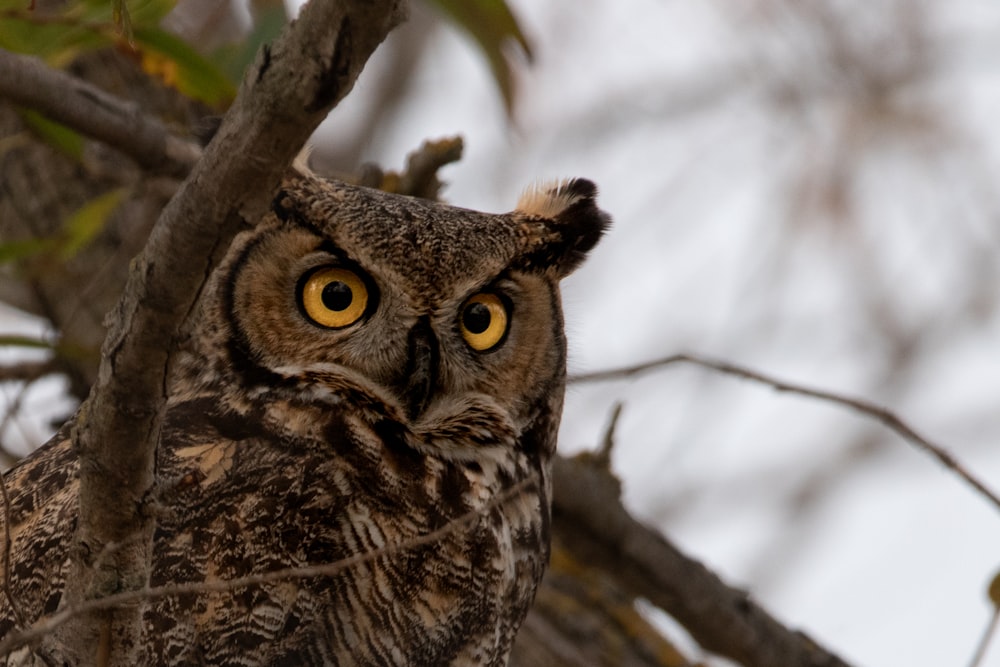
[(362, 370)]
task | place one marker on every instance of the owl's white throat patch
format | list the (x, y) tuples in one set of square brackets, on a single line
[(467, 428)]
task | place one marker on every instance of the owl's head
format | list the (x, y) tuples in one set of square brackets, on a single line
[(437, 317)]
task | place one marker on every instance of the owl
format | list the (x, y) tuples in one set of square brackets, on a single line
[(362, 370)]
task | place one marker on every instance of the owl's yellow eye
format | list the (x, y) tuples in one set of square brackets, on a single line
[(334, 297), (483, 321)]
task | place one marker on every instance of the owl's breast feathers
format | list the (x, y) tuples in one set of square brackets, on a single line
[(308, 487), (245, 491), (41, 515)]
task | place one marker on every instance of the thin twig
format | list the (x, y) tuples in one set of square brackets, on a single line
[(43, 626), (877, 412), (13, 408), (26, 371), (984, 643), (603, 453)]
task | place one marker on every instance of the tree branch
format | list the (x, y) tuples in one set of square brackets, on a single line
[(591, 521), (284, 96), (28, 82), (860, 405), (27, 371)]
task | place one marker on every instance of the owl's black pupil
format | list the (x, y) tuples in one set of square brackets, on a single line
[(476, 318), (337, 296)]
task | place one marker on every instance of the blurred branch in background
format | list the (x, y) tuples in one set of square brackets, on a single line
[(591, 524), (859, 405), (991, 627), (82, 107)]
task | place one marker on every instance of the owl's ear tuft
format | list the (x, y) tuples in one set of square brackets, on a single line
[(561, 225), (283, 205), (296, 185), (549, 200)]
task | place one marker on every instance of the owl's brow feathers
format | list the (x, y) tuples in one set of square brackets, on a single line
[(556, 223)]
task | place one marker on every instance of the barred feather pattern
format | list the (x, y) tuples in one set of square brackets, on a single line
[(241, 495)]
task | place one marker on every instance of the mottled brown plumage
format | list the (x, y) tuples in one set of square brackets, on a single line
[(302, 430)]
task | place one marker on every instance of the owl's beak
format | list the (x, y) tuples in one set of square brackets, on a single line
[(421, 368)]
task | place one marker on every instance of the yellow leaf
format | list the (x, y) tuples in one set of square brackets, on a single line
[(88, 221), (160, 67), (183, 67)]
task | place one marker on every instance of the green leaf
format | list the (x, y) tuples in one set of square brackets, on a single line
[(492, 25), (24, 341), (12, 251), (59, 35), (88, 221), (55, 134), (55, 37), (187, 70), (79, 229)]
